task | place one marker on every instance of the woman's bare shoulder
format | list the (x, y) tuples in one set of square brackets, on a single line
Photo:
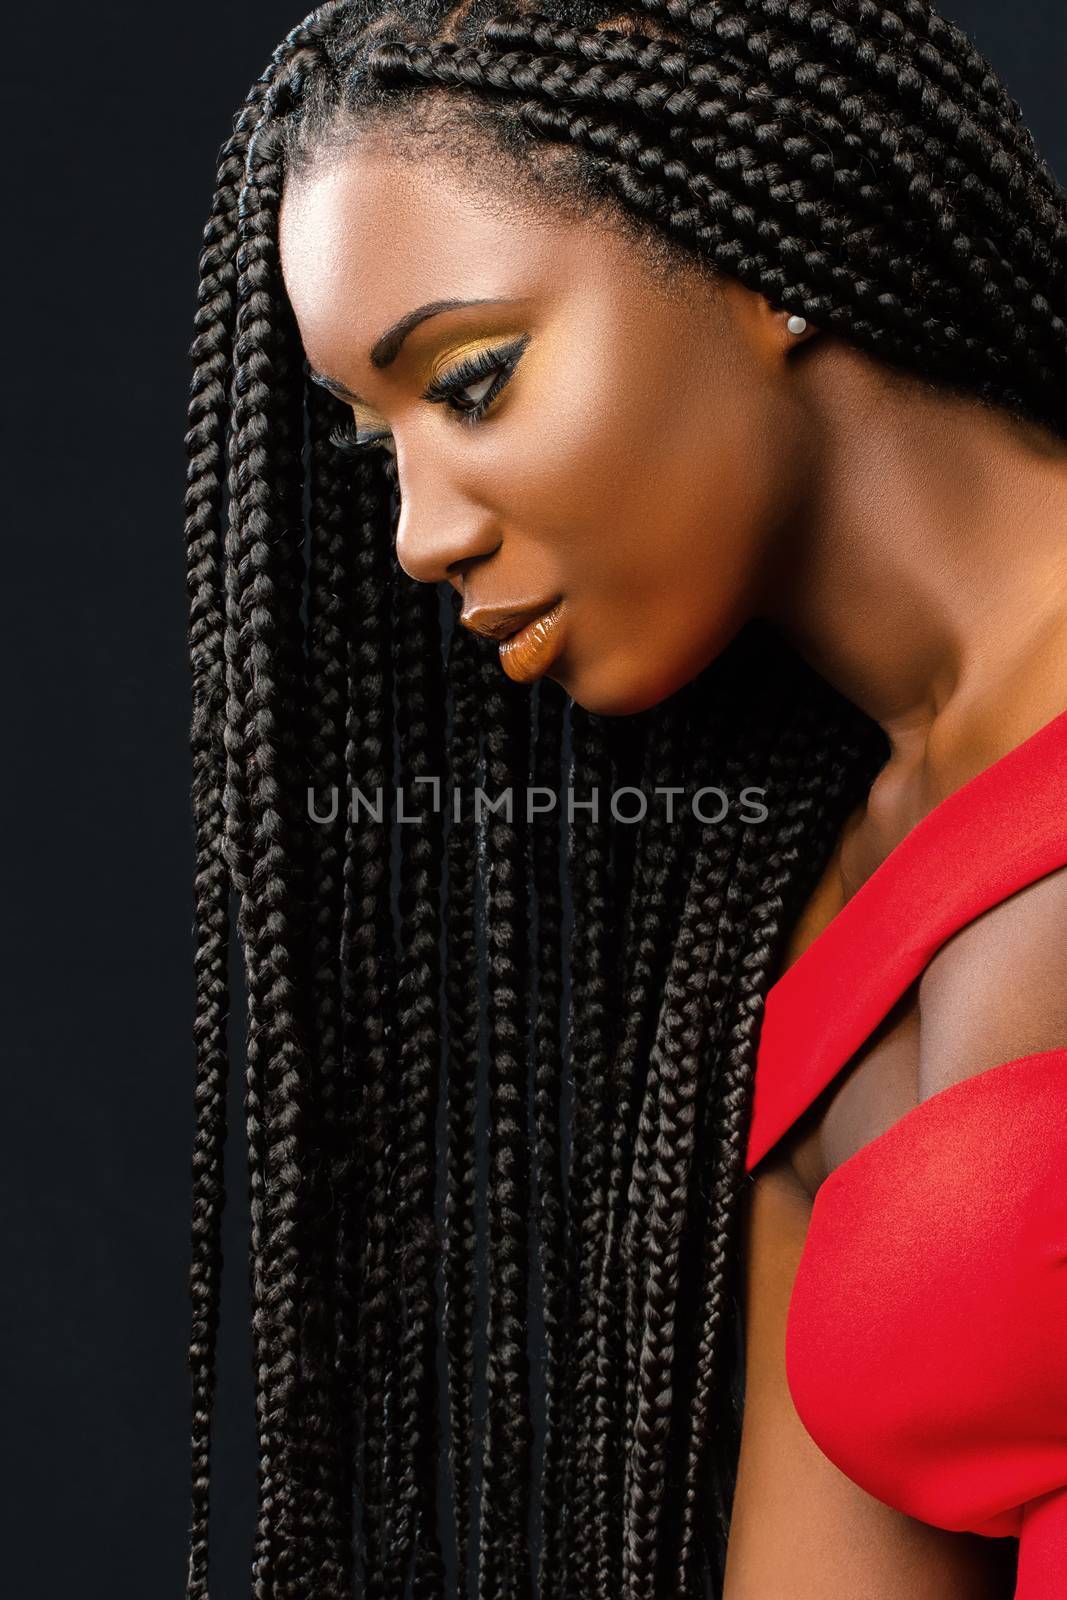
[(996, 990)]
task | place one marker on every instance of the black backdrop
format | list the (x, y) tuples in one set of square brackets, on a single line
[(114, 115)]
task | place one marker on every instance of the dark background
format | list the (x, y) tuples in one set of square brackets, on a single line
[(114, 116)]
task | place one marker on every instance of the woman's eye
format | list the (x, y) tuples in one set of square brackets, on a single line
[(477, 391), (467, 390), (470, 387)]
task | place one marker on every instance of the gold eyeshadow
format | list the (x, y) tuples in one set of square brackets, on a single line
[(487, 343)]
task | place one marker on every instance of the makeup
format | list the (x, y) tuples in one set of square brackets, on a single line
[(485, 367), (529, 653)]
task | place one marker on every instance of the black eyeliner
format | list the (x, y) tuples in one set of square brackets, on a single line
[(499, 359)]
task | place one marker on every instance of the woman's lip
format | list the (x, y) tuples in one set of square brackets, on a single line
[(528, 654)]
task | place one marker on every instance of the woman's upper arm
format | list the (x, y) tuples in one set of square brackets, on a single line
[(801, 1529)]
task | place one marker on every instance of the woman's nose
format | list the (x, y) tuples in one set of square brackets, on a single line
[(436, 532)]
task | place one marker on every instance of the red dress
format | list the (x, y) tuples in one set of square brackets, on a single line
[(926, 1343)]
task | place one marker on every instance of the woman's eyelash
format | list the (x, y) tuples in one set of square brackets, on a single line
[(348, 443), (497, 364)]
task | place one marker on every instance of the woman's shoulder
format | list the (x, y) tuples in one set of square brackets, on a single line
[(952, 922), (997, 989)]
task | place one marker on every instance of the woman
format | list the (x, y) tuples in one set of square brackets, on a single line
[(707, 366)]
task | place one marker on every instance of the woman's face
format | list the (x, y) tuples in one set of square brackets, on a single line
[(620, 444)]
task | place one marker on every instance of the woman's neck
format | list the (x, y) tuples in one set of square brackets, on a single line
[(924, 572)]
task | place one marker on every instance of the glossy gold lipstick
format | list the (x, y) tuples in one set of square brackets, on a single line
[(528, 654)]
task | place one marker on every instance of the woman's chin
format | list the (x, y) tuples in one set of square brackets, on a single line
[(615, 692)]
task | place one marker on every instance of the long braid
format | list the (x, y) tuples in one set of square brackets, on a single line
[(672, 1088), (546, 846), (461, 1080), (745, 907), (507, 1455), (671, 869), (421, 720), (856, 162), (641, 1035), (205, 442), (238, 853), (814, 767), (664, 865), (213, 765), (367, 1302), (268, 612), (592, 1014), (649, 925), (325, 1421)]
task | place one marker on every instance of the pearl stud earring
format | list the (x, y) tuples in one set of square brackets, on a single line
[(797, 325)]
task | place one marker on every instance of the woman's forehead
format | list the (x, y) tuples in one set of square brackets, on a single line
[(368, 218), (366, 235)]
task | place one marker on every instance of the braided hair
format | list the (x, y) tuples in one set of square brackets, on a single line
[(498, 1067)]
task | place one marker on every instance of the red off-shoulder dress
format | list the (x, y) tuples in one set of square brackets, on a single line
[(926, 1344)]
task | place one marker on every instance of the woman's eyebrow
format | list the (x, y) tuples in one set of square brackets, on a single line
[(386, 347)]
